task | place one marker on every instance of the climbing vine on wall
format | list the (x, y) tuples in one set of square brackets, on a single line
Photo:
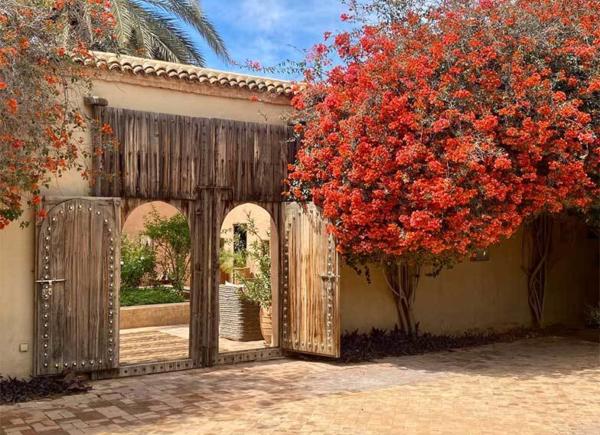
[(39, 85)]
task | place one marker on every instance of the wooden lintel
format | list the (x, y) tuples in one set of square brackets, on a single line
[(213, 188), (93, 100)]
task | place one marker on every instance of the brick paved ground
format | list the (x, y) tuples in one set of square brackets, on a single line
[(543, 385), (160, 343)]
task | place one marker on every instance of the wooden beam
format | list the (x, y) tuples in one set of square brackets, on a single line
[(93, 100)]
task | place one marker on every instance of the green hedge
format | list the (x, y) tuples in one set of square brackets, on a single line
[(149, 296)]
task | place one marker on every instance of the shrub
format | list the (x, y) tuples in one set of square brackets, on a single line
[(172, 245), (13, 390), (230, 260), (40, 118), (439, 133), (357, 347), (150, 296), (257, 289), (137, 262)]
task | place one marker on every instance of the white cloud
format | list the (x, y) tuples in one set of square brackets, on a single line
[(263, 49), (266, 15), (271, 31)]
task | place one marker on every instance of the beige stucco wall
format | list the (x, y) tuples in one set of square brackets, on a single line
[(180, 102), (143, 316), (135, 221), (574, 280), (482, 295), (17, 245), (16, 299)]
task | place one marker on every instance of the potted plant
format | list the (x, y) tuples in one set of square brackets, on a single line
[(232, 265), (257, 288)]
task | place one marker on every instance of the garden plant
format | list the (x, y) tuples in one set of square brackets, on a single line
[(41, 124), (435, 130)]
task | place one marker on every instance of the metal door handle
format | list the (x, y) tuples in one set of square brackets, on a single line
[(50, 281)]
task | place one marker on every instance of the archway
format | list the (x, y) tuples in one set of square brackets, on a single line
[(155, 285), (248, 296)]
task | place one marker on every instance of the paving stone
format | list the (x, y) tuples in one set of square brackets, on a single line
[(544, 385)]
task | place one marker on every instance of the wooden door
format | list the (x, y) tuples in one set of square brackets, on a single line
[(310, 294), (76, 288)]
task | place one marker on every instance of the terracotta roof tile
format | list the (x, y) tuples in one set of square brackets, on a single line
[(169, 70)]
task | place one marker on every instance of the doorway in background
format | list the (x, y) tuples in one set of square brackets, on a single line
[(248, 280), (155, 285)]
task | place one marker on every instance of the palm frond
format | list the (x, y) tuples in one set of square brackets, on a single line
[(190, 12), (161, 37), (165, 29), (123, 20)]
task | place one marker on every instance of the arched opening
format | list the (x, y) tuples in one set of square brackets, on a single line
[(248, 259), (154, 320)]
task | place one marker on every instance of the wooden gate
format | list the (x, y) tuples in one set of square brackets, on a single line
[(211, 164), (311, 315), (77, 282)]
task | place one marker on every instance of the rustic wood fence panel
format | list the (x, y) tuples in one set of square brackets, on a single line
[(77, 282), (159, 156), (151, 155), (252, 159)]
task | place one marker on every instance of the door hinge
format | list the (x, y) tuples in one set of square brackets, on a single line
[(329, 276)]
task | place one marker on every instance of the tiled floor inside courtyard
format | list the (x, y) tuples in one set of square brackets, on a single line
[(538, 386), (163, 343)]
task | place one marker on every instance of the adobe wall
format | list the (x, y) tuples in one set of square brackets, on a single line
[(135, 221), (482, 295)]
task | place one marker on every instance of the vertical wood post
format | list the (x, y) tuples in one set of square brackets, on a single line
[(96, 104), (210, 206)]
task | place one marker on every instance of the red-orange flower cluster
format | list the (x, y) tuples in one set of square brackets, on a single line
[(37, 123), (442, 131)]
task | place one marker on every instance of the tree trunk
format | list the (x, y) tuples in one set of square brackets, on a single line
[(402, 279), (537, 241)]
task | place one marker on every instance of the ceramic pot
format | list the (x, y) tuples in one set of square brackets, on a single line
[(266, 325)]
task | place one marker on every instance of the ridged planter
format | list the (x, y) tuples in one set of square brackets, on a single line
[(239, 318)]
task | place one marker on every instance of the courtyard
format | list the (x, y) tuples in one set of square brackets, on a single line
[(540, 385), (265, 207)]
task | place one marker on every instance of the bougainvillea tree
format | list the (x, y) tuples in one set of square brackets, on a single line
[(39, 118), (441, 130)]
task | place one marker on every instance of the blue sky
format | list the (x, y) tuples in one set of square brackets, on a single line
[(269, 31)]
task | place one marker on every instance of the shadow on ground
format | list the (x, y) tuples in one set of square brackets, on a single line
[(142, 403)]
